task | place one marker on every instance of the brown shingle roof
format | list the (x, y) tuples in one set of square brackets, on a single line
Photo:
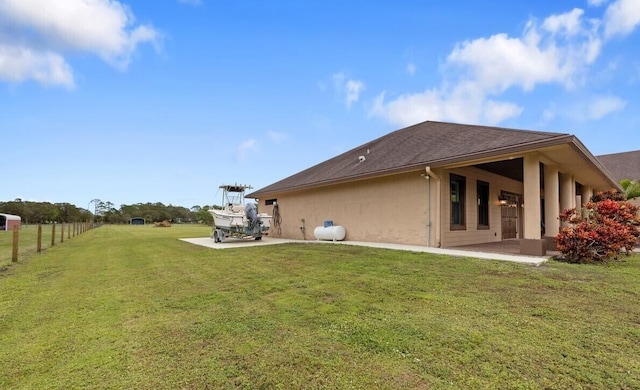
[(622, 165), (427, 143)]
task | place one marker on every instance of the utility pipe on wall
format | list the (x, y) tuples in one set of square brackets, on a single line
[(428, 209), (435, 177)]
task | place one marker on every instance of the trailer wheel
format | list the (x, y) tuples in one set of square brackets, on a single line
[(258, 238), (216, 238)]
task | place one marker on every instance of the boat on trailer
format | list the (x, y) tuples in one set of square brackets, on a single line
[(238, 219)]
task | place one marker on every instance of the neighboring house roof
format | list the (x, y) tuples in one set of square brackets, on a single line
[(622, 165), (424, 144)]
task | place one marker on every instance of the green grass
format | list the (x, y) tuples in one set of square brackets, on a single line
[(133, 307), (28, 241)]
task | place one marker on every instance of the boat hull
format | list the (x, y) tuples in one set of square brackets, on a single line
[(236, 225), (222, 219)]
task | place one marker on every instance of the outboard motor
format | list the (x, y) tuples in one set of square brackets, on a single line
[(251, 212)]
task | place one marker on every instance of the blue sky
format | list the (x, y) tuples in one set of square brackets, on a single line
[(162, 101)]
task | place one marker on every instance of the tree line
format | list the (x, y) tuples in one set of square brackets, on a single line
[(105, 212)]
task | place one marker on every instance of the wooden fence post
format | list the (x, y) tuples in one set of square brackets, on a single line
[(68, 231), (62, 232), (39, 238), (53, 234), (14, 253), (74, 228)]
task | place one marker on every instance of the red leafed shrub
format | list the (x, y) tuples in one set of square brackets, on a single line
[(611, 194), (601, 232)]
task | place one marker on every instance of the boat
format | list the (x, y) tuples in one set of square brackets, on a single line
[(237, 219)]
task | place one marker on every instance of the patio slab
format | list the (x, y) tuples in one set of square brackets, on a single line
[(458, 252)]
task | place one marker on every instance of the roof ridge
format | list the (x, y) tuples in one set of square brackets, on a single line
[(508, 129), (618, 153), (422, 143)]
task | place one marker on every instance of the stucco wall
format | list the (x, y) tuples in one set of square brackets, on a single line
[(393, 209), (473, 235), (389, 209)]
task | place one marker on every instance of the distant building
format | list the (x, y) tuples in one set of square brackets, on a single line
[(625, 165), (136, 221), (8, 221)]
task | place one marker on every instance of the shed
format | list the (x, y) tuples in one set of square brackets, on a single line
[(136, 221), (8, 221)]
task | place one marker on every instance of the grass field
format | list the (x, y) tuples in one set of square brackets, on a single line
[(134, 307), (28, 240)]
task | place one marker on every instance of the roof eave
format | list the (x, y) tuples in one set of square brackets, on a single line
[(470, 158), (593, 160)]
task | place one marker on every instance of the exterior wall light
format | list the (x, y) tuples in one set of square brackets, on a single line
[(502, 199)]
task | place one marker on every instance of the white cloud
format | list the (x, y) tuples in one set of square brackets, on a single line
[(568, 22), (190, 2), (496, 112), (462, 105), (353, 89), (604, 106), (246, 148), (500, 62), (105, 28), (557, 51), (596, 3), (621, 18), (18, 64), (350, 89), (277, 137), (411, 68)]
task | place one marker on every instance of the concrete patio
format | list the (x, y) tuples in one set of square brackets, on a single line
[(505, 251)]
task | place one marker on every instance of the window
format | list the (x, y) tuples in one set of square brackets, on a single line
[(458, 192), (269, 202), (483, 204)]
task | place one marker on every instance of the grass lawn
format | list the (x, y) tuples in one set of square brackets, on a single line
[(134, 307), (28, 240)]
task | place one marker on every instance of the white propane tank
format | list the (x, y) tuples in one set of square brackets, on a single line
[(331, 233)]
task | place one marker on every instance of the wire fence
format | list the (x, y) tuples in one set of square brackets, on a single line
[(26, 240)]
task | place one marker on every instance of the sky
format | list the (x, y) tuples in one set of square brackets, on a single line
[(134, 101)]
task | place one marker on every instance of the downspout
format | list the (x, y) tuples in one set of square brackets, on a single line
[(438, 208), (427, 177)]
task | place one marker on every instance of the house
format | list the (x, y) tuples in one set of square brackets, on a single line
[(622, 166), (8, 221), (443, 185)]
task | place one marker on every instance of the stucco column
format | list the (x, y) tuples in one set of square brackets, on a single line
[(587, 193), (551, 204), (567, 192), (531, 172), (532, 244)]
